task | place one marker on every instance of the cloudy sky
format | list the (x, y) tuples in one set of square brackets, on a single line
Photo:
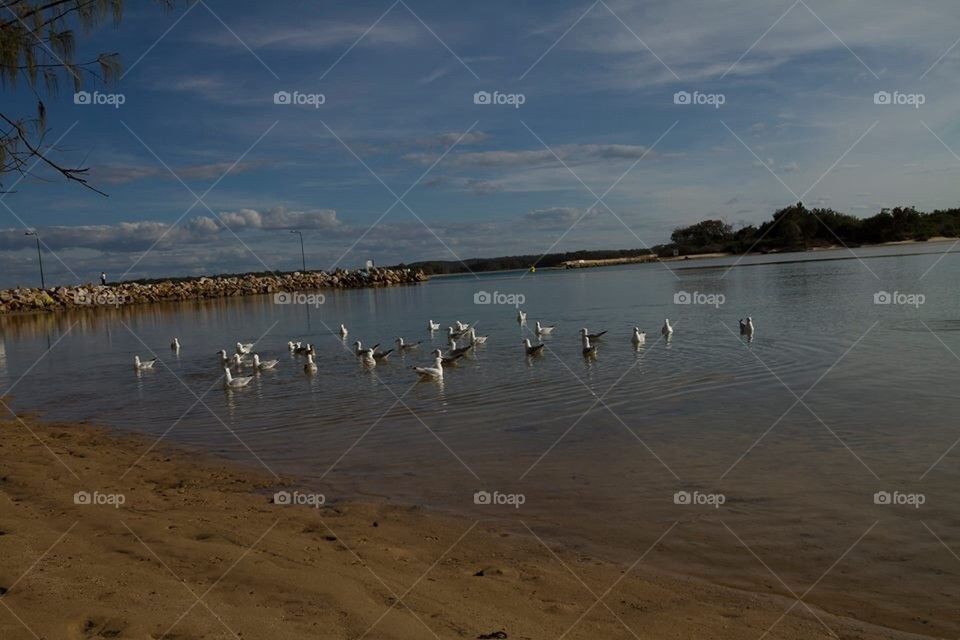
[(608, 125)]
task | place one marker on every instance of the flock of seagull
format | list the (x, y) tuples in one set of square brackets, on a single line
[(370, 356)]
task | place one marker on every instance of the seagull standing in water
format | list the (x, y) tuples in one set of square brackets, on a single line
[(263, 365), (588, 349), (532, 349), (639, 337), (448, 361), (235, 383), (144, 364), (175, 345), (406, 346), (666, 330), (543, 330), (431, 373)]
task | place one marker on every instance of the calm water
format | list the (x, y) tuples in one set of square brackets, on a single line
[(683, 415)]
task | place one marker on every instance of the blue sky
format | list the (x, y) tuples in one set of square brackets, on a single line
[(797, 81)]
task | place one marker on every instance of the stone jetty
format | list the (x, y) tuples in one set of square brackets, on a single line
[(26, 300)]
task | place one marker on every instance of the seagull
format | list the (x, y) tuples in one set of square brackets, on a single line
[(532, 349), (223, 357), (454, 335), (403, 346), (588, 349), (237, 362), (381, 355), (521, 317), (461, 327), (746, 328), (433, 326), (666, 329), (364, 353), (175, 345), (368, 358), (235, 383), (310, 367), (448, 361), (639, 337), (592, 336), (244, 349), (140, 366), (542, 330), (304, 349), (431, 373), (454, 351), (475, 339), (343, 332), (268, 364), (292, 346)]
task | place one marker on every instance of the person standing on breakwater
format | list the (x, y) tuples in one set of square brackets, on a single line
[(103, 278)]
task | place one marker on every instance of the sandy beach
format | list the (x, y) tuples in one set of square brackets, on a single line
[(199, 549)]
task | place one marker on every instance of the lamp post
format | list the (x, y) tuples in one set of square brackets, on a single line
[(303, 255), (43, 285)]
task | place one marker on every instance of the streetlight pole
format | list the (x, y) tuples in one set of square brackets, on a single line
[(303, 255), (43, 285)]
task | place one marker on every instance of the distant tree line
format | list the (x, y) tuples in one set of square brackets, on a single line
[(796, 228)]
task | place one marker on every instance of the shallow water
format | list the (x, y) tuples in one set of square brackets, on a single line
[(597, 447)]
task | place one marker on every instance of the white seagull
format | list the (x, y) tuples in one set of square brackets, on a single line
[(292, 346), (431, 373), (224, 360), (237, 361), (175, 345), (521, 317), (244, 349), (141, 365), (448, 361), (404, 346), (666, 329), (261, 365), (588, 349), (639, 337), (433, 326), (343, 331), (454, 351), (235, 383), (532, 349), (543, 330), (475, 339), (310, 367), (461, 327)]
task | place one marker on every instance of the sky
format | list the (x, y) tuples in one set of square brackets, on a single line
[(410, 130)]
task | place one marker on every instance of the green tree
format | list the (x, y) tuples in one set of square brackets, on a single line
[(37, 45)]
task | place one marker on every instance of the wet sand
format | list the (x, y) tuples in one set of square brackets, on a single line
[(198, 549)]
